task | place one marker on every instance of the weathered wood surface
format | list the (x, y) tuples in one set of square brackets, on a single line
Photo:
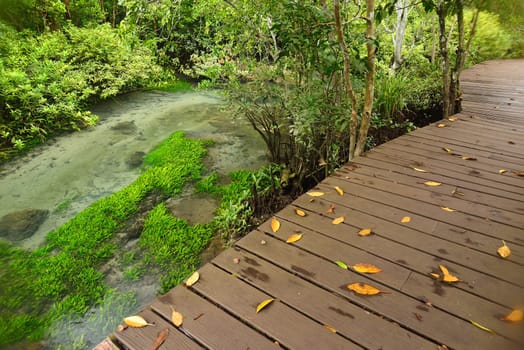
[(380, 188)]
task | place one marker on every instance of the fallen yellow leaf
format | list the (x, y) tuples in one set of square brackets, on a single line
[(338, 220), (176, 317), (446, 149), (136, 322), (448, 277), (364, 289), (420, 170), (435, 275), (263, 304), (452, 119), (329, 328), (294, 237), (468, 158), (514, 316), (315, 194), (504, 251), (364, 232), (192, 279), (448, 209), (339, 190), (441, 125), (482, 327), (405, 219), (331, 209), (502, 171), (432, 183), (275, 224), (300, 212), (366, 268)]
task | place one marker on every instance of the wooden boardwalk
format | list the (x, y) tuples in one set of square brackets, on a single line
[(380, 188)]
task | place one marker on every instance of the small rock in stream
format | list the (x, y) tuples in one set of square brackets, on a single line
[(22, 224)]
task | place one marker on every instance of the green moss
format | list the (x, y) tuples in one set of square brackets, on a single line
[(62, 278)]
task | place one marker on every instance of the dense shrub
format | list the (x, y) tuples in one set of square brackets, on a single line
[(47, 80)]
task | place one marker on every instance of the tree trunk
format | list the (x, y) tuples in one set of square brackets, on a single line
[(460, 59), (443, 44), (401, 8), (370, 77), (353, 122)]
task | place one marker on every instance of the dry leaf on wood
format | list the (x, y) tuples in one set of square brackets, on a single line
[(339, 190), (452, 119), (446, 149), (338, 220), (136, 322), (193, 279), (329, 328), (341, 264), (405, 219), (504, 251), (448, 277), (514, 316), (432, 183), (364, 232), (176, 317), (441, 125), (364, 289), (366, 268), (294, 237), (469, 158), (263, 304), (420, 170), (160, 339), (331, 209), (502, 171), (478, 325), (435, 275), (315, 194), (448, 209), (275, 225), (300, 212)]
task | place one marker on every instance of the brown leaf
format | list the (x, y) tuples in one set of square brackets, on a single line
[(405, 219), (418, 316), (192, 279), (432, 183), (136, 322), (338, 220), (447, 276), (329, 328), (457, 192), (364, 289), (504, 251), (518, 173), (160, 339), (514, 316), (300, 212), (364, 232), (448, 209), (366, 268), (339, 190), (263, 304), (236, 260), (294, 237), (331, 209), (275, 224), (315, 193)]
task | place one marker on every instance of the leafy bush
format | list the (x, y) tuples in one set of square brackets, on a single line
[(46, 81)]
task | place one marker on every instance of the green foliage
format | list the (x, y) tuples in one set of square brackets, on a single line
[(64, 273), (390, 96), (46, 81)]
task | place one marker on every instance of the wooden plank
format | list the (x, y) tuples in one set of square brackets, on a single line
[(208, 324), (291, 329), (143, 338), (400, 308), (452, 300), (327, 308), (404, 247)]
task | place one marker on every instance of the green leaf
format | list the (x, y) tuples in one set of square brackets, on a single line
[(341, 265)]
